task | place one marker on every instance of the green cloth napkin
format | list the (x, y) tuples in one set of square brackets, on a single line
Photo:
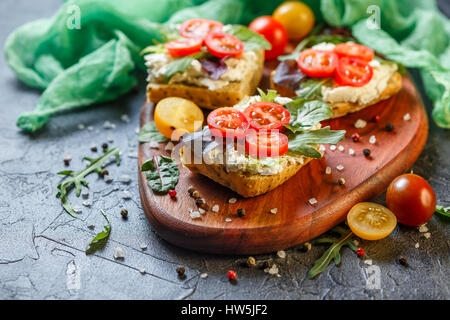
[(88, 51)]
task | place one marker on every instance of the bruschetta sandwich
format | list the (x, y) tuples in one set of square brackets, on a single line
[(206, 62), (347, 76), (259, 143)]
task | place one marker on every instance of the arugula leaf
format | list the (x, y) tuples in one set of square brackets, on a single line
[(312, 88), (444, 211), (77, 179), (162, 173), (302, 142), (305, 114), (333, 252), (181, 65), (312, 41), (269, 96), (251, 39), (149, 133), (100, 240)]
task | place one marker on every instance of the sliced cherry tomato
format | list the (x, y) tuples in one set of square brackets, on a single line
[(371, 221), (412, 199), (222, 44), (199, 28), (354, 50), (353, 72), (228, 123), (265, 143), (317, 64), (267, 116), (184, 46), (274, 32)]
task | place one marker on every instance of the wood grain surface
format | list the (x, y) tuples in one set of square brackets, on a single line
[(296, 220)]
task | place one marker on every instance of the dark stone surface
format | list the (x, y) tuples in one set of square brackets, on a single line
[(42, 247)]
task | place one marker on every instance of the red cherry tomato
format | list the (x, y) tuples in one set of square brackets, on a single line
[(223, 45), (274, 32), (354, 50), (317, 64), (411, 199), (228, 123), (267, 116), (353, 72), (199, 28), (265, 143), (184, 46)]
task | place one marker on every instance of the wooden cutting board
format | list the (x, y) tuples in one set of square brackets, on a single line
[(296, 220)]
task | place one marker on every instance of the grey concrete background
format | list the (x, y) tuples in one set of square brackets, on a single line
[(42, 247)]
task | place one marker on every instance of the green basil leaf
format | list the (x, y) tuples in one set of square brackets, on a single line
[(251, 39), (444, 211), (269, 96), (100, 240), (303, 142), (312, 41), (149, 133), (312, 88), (177, 66), (305, 114), (162, 173)]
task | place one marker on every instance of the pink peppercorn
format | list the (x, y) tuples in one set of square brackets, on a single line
[(356, 137), (172, 193), (360, 252), (231, 274)]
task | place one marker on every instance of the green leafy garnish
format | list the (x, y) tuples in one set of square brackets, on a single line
[(162, 173), (157, 48), (77, 179), (312, 41), (303, 142), (100, 240), (312, 88), (181, 65), (251, 39), (444, 211), (149, 133), (305, 114), (269, 96), (333, 252)]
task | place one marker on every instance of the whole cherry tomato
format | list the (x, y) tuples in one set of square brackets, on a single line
[(412, 200), (296, 17), (274, 32)]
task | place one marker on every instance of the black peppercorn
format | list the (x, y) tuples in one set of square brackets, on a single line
[(366, 152), (66, 161), (124, 213), (389, 127), (104, 173), (181, 271), (341, 181), (402, 260), (191, 190), (94, 149), (105, 146), (241, 212), (200, 201), (251, 262)]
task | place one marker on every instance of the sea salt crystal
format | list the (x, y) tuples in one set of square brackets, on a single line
[(368, 262), (232, 200), (110, 139), (202, 211), (118, 253), (340, 167), (322, 147), (372, 139), (125, 178), (272, 270), (108, 125), (227, 220), (116, 188), (126, 195), (137, 130), (86, 203), (417, 245), (215, 208), (312, 201), (351, 152), (125, 118), (328, 170), (142, 270), (407, 117), (341, 148), (90, 128), (143, 246), (80, 126), (360, 123), (332, 147), (169, 146), (194, 214), (427, 235), (204, 275), (274, 210), (76, 209), (281, 254), (423, 228), (108, 179)]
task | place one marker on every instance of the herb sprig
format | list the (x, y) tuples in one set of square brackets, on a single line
[(77, 179), (100, 240), (444, 211), (333, 252), (162, 173)]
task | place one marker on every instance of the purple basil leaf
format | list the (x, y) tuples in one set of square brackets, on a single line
[(288, 74), (214, 67)]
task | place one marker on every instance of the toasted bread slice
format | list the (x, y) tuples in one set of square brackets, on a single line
[(246, 184), (342, 108), (212, 99)]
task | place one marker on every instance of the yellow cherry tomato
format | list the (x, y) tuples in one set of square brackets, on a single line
[(296, 17), (175, 116), (371, 221)]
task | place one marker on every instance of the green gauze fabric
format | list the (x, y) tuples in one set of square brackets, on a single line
[(87, 52)]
